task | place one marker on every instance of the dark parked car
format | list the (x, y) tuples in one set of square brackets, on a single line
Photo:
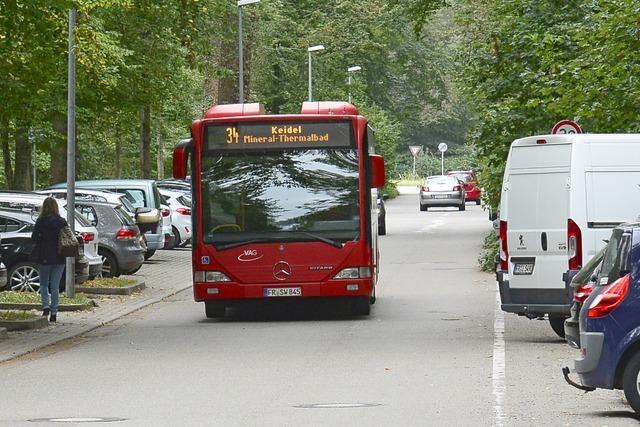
[(582, 284), (3, 270), (119, 237), (15, 250), (609, 321), (382, 214)]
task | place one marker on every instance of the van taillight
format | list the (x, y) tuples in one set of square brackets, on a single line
[(610, 297), (574, 246), (582, 292), (504, 249)]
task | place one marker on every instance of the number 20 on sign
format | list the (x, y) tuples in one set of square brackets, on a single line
[(232, 135)]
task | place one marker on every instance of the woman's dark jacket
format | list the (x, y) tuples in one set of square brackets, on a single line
[(45, 239)]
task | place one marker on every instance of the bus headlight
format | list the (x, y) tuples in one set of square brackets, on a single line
[(210, 277), (354, 273)]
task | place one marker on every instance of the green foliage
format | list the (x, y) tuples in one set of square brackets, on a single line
[(489, 253)]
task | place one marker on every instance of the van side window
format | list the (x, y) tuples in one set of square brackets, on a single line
[(136, 197)]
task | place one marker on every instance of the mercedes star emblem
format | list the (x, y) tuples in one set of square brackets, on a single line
[(282, 270)]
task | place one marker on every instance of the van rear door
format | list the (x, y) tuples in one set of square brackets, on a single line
[(538, 207)]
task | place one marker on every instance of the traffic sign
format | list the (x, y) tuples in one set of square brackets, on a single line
[(442, 147), (566, 127), (415, 149)]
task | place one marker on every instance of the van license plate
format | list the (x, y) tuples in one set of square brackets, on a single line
[(523, 269), (282, 292)]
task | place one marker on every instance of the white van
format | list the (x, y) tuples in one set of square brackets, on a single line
[(561, 197)]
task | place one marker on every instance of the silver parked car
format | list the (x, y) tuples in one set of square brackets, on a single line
[(119, 242), (442, 190)]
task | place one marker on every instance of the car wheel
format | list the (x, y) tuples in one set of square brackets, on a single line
[(462, 207), (109, 264), (423, 208), (176, 238), (214, 309), (149, 253), (557, 324), (382, 228), (478, 202), (631, 382), (361, 306), (24, 277)]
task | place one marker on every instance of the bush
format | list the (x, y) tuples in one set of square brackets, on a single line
[(489, 253)]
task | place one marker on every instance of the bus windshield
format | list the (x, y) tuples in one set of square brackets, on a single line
[(280, 196)]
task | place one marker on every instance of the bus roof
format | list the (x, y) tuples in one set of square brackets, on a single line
[(257, 109)]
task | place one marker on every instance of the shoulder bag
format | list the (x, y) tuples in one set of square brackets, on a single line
[(67, 243)]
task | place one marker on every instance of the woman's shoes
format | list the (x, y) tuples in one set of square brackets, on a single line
[(45, 312), (53, 318)]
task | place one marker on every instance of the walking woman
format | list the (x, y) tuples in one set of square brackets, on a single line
[(50, 264)]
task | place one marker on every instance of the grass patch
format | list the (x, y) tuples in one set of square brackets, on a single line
[(109, 282), (17, 315), (34, 298), (411, 182), (489, 253)]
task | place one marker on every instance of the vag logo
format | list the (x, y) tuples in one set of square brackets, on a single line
[(250, 255)]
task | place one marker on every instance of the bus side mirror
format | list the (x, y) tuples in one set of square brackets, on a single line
[(181, 158), (377, 170)]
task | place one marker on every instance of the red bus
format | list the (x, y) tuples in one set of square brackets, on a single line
[(284, 206)]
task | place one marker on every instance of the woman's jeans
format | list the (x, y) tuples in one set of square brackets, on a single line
[(50, 276)]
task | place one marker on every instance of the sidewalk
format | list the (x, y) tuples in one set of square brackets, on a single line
[(165, 274)]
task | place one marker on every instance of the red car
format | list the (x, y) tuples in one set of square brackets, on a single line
[(470, 184)]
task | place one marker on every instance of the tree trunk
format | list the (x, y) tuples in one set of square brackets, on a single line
[(118, 154), (145, 142), (228, 86), (58, 165), (160, 156), (22, 174), (6, 154)]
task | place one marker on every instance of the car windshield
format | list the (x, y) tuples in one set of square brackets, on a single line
[(586, 272), (616, 257), (464, 177), (298, 195)]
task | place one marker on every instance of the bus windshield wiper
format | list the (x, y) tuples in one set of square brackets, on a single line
[(322, 239), (241, 243)]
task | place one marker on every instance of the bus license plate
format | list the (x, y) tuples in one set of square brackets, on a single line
[(523, 269), (282, 292)]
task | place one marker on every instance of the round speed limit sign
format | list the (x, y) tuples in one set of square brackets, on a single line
[(564, 127), (442, 147)]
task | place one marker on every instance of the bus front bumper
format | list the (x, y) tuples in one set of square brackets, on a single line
[(235, 291)]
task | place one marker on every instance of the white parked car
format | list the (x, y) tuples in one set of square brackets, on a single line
[(561, 197), (180, 204), (82, 226)]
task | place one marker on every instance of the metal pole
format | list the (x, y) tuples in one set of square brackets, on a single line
[(349, 84), (33, 159), (240, 56), (414, 166), (310, 88), (71, 151), (442, 164)]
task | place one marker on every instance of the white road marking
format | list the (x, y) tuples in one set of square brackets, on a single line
[(429, 227), (498, 374)]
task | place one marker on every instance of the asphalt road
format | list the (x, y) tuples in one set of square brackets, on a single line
[(435, 351)]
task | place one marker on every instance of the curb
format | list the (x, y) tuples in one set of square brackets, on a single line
[(21, 325), (61, 307), (98, 321), (125, 290)]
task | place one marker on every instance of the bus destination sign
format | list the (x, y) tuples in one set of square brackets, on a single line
[(281, 135)]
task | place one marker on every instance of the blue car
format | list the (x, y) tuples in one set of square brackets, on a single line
[(610, 321)]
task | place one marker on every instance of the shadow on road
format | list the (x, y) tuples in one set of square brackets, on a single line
[(617, 414), (289, 311)]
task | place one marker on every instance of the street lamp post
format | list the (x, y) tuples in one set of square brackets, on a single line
[(309, 50), (240, 50), (71, 149), (349, 71), (32, 140)]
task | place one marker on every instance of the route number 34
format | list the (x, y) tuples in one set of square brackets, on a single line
[(232, 135)]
